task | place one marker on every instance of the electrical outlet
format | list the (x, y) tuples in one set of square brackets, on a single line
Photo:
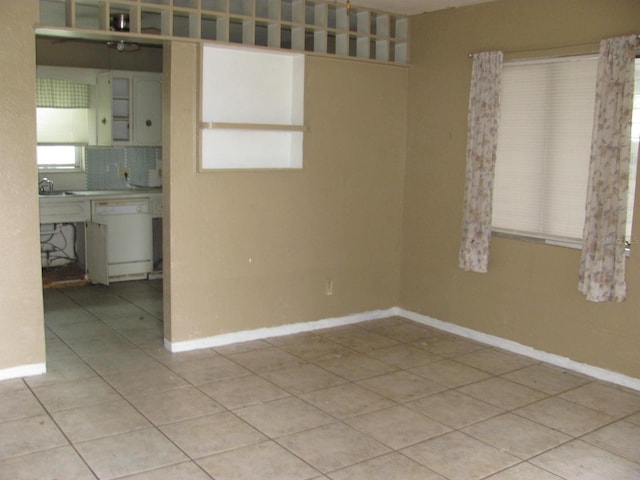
[(328, 288), (123, 172)]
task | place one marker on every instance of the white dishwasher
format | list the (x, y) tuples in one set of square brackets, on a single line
[(119, 240)]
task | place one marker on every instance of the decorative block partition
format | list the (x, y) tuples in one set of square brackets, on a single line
[(300, 25)]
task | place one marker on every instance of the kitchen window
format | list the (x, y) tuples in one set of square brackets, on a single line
[(544, 144), (64, 123), (67, 158)]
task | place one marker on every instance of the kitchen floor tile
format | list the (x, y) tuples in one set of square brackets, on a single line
[(243, 391), (550, 380), (402, 330), (621, 438), (100, 420), (635, 418), (356, 366), (393, 465), (106, 363), (129, 453), (347, 400), (605, 399), (203, 436), (412, 402), (398, 427), (448, 345), (401, 386), (502, 393), (66, 369), (265, 359), (404, 356), (156, 379), (579, 460), (516, 435), (18, 403), (450, 373), (175, 405), (494, 361), (283, 416), (27, 435), (179, 471), (457, 456), (268, 458), (78, 393), (332, 446), (309, 346), (209, 369), (564, 416), (53, 464), (357, 338), (524, 471), (303, 378), (454, 409)]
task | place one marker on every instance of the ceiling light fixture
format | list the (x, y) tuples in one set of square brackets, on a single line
[(124, 47)]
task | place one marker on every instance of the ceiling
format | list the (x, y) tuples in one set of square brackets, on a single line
[(413, 7)]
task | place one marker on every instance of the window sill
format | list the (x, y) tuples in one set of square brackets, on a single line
[(556, 242)]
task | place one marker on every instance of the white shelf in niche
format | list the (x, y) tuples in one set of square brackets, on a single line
[(252, 109)]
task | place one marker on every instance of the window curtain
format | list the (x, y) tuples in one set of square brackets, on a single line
[(602, 264), (482, 139), (60, 93)]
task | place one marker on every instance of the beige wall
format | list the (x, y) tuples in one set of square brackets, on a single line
[(256, 249), (530, 293), (22, 341), (352, 209)]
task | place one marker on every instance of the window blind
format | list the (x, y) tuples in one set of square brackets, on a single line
[(60, 93), (544, 143)]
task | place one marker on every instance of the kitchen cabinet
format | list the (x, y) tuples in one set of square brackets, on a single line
[(117, 229), (129, 108), (63, 209)]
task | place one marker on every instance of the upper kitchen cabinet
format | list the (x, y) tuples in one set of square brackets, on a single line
[(129, 108)]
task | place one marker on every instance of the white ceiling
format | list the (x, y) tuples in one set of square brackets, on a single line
[(412, 7)]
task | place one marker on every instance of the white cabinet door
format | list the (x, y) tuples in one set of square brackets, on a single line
[(103, 110), (129, 109), (147, 111), (97, 267)]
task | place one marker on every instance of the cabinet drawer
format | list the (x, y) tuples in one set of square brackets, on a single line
[(64, 211)]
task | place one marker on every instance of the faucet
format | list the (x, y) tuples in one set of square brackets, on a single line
[(45, 185)]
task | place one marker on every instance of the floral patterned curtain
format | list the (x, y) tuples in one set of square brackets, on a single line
[(602, 265), (484, 110)]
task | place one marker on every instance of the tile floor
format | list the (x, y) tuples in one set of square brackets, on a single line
[(386, 399)]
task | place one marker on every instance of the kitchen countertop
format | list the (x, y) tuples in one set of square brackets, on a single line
[(65, 196), (75, 206)]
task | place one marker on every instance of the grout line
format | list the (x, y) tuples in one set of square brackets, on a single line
[(316, 363)]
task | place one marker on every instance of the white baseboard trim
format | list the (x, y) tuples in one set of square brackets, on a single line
[(499, 342), (511, 346), (23, 371), (268, 332)]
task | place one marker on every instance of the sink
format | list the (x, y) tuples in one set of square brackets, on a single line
[(113, 192), (54, 194)]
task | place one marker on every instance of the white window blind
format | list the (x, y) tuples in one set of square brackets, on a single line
[(544, 143), (635, 146)]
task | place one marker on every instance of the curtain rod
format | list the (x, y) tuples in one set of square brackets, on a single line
[(592, 46)]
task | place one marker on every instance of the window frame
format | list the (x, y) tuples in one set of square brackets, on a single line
[(76, 166), (571, 242)]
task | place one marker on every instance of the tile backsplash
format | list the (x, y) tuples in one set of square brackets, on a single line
[(104, 167)]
